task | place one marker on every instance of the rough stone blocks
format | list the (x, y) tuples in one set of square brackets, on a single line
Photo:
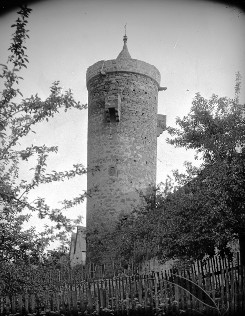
[(122, 140)]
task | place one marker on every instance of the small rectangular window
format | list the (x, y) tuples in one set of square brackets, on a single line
[(113, 108), (112, 113)]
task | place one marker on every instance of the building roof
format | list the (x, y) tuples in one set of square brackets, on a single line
[(123, 63), (124, 54)]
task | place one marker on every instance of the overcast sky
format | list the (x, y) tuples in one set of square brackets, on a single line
[(197, 46)]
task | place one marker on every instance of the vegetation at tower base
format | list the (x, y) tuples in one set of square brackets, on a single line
[(18, 119), (134, 237)]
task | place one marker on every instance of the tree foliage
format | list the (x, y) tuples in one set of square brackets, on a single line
[(18, 118), (211, 206), (135, 236)]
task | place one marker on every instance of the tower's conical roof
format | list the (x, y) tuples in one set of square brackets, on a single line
[(124, 54), (123, 63)]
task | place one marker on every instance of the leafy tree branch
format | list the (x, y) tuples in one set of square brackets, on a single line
[(18, 118)]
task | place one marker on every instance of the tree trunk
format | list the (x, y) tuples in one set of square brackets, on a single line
[(242, 247)]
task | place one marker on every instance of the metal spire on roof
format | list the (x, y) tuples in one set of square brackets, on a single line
[(124, 54), (125, 38)]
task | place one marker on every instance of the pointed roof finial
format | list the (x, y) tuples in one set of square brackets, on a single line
[(125, 38), (124, 53)]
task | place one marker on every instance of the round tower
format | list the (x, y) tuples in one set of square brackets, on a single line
[(122, 136)]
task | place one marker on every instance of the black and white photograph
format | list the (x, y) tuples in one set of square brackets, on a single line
[(122, 158)]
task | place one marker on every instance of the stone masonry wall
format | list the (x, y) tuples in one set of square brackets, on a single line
[(127, 65), (121, 155)]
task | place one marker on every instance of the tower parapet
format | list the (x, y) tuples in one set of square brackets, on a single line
[(136, 66)]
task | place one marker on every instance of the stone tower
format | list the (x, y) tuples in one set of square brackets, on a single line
[(123, 126)]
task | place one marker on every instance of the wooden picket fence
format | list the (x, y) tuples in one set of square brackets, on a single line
[(156, 293)]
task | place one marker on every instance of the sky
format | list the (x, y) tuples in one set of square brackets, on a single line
[(197, 46)]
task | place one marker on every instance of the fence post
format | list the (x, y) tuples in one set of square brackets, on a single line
[(33, 305), (161, 286), (150, 287), (74, 300), (222, 285), (96, 296), (211, 283), (156, 293), (192, 276), (20, 303), (232, 290), (121, 290), (140, 289), (100, 294), (13, 304), (54, 297), (89, 296), (8, 305), (107, 300), (27, 303), (111, 294), (183, 294), (81, 297), (116, 294), (145, 289), (243, 287)]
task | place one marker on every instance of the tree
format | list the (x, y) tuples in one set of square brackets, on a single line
[(210, 206), (18, 118)]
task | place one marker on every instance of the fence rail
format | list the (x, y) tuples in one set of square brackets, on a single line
[(206, 287)]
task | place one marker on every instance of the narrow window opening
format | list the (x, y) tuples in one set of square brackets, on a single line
[(112, 113), (113, 108)]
